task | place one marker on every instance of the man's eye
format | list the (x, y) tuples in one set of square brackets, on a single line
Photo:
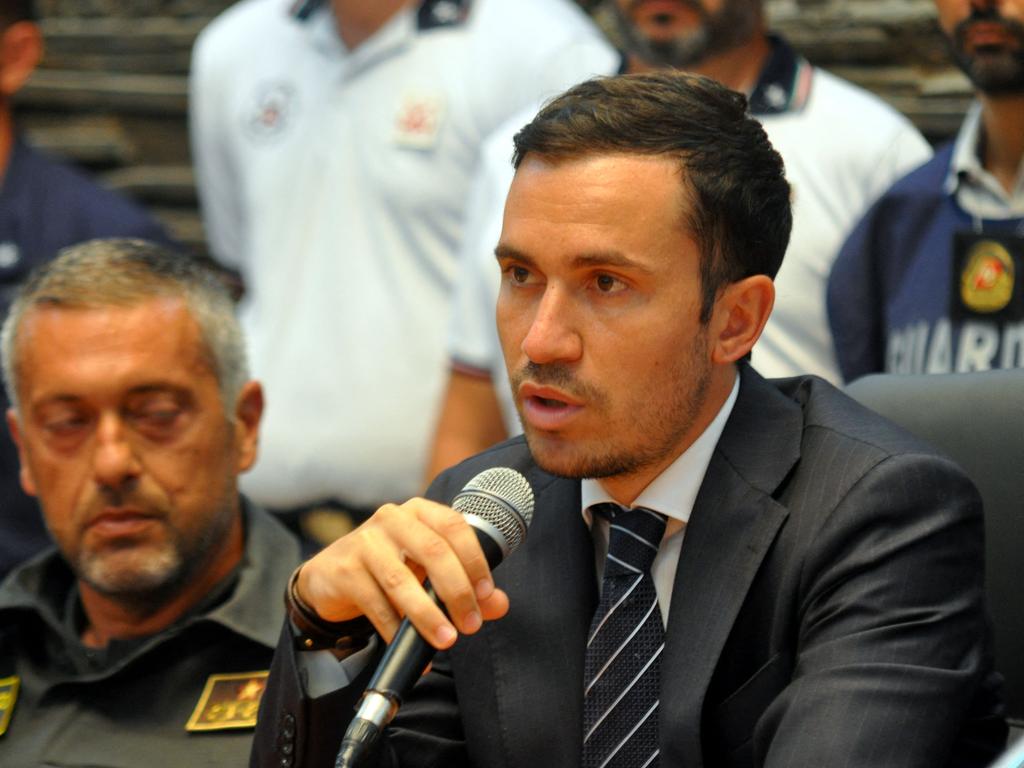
[(163, 417), (609, 284), (65, 425), (518, 275)]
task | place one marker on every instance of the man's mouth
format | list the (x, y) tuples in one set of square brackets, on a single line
[(987, 35), (550, 402), (546, 408), (117, 523)]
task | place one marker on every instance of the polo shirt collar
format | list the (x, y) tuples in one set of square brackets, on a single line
[(785, 81)]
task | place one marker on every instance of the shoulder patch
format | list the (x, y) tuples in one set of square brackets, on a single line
[(419, 118), (228, 701), (8, 697)]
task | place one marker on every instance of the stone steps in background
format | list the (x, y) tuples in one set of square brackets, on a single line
[(112, 93)]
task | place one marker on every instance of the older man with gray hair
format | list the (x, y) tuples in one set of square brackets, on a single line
[(144, 636)]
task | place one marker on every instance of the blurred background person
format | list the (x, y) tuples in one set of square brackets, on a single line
[(842, 147), (929, 282), (45, 205), (334, 144), (156, 615)]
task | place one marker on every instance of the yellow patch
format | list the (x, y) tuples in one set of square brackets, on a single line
[(228, 701), (8, 696), (986, 283)]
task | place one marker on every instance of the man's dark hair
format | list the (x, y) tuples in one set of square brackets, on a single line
[(737, 197), (12, 11)]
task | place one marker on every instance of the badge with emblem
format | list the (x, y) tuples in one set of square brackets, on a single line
[(8, 696), (228, 701), (986, 266), (270, 111), (418, 120)]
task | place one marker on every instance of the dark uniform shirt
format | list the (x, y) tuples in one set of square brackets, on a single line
[(127, 705), (45, 206)]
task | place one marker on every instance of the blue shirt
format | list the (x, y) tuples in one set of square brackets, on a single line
[(891, 291)]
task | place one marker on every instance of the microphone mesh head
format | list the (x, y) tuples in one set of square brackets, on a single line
[(502, 497)]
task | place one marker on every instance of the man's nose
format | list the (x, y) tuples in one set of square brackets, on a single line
[(553, 335), (115, 461)]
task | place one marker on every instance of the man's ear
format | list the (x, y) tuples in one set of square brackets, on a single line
[(248, 411), (21, 48), (28, 484), (739, 316)]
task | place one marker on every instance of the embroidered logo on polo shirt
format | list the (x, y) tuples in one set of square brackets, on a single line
[(986, 282), (228, 701), (418, 120), (8, 696), (271, 111)]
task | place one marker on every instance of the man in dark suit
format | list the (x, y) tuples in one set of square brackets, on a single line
[(819, 575)]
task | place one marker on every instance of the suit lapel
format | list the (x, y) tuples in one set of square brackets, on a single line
[(734, 521), (538, 649)]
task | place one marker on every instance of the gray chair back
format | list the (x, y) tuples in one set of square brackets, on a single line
[(977, 419)]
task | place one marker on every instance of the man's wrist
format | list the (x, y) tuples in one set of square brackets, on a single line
[(314, 633)]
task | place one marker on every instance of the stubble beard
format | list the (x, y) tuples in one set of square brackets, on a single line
[(993, 72), (732, 26), (147, 575), (662, 431)]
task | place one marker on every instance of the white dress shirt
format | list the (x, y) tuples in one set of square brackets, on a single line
[(672, 493)]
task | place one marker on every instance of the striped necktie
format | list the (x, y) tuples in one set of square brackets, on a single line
[(621, 671)]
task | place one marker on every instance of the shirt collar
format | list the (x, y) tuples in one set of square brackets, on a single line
[(395, 34), (256, 609), (674, 491), (964, 160), (977, 191), (785, 81)]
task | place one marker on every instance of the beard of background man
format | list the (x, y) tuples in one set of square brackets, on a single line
[(993, 69), (716, 32)]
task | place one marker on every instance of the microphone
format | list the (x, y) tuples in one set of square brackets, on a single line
[(498, 503)]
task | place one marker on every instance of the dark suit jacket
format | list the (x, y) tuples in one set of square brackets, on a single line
[(828, 610)]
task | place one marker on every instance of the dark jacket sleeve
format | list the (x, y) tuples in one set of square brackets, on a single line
[(893, 663), (294, 729)]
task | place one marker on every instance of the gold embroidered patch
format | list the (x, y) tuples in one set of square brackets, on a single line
[(228, 701), (986, 283), (8, 695)]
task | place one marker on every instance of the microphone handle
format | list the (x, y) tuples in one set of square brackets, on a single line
[(393, 679), (408, 653)]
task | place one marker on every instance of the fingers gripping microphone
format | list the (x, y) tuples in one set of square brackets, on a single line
[(498, 503)]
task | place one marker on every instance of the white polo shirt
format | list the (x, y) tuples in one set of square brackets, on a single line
[(335, 181)]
